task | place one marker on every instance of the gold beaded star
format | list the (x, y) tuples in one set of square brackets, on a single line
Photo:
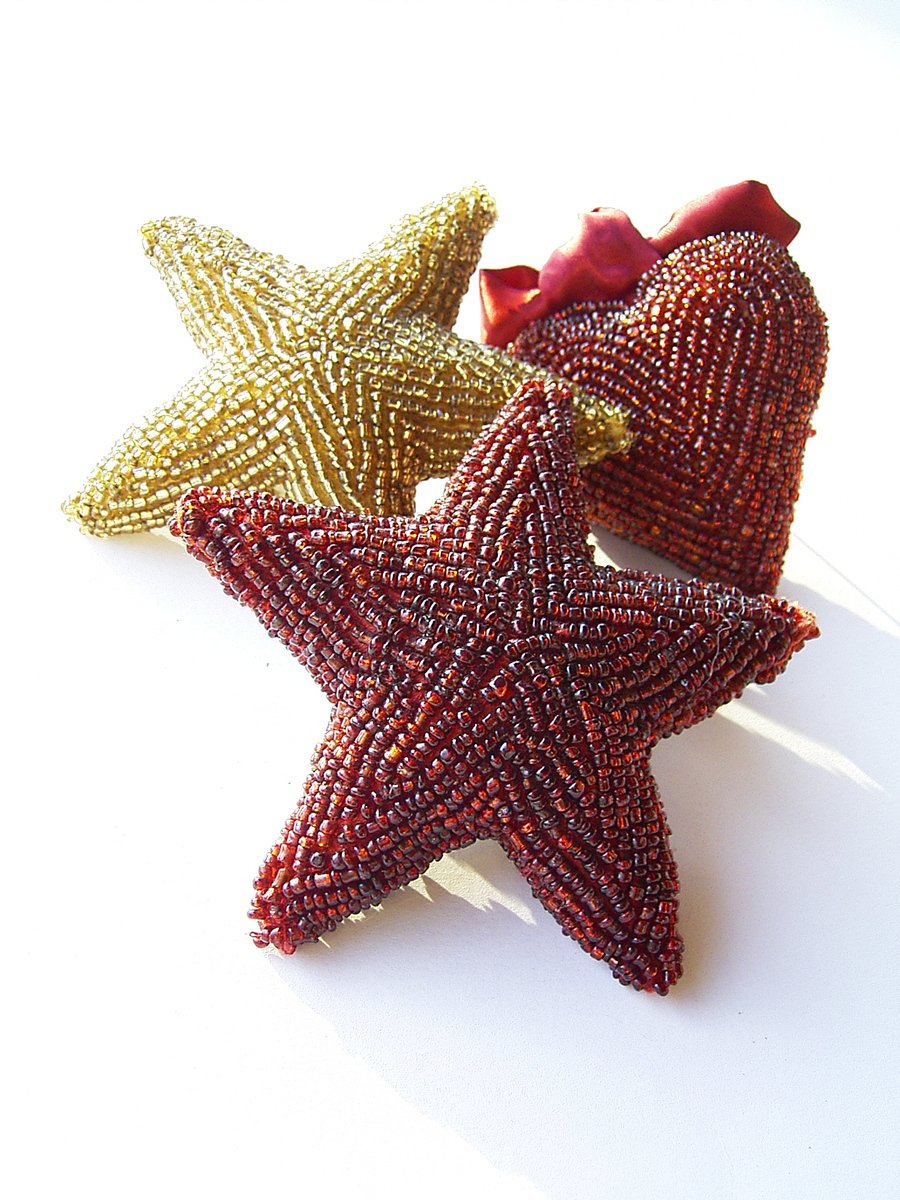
[(342, 387)]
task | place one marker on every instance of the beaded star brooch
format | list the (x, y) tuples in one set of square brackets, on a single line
[(488, 681), (342, 386), (712, 339)]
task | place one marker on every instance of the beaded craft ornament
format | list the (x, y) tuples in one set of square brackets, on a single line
[(342, 386), (488, 681), (714, 342)]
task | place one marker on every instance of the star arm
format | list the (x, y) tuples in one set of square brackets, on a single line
[(229, 425), (356, 598), (749, 640), (667, 653), (517, 493), (229, 295), (384, 799), (575, 807), (342, 849), (423, 265)]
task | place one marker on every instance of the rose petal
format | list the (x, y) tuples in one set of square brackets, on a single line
[(743, 207), (603, 261), (607, 257), (510, 300)]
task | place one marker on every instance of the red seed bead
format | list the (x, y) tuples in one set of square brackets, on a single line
[(538, 734), (719, 357)]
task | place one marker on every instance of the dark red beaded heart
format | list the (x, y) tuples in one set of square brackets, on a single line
[(719, 356)]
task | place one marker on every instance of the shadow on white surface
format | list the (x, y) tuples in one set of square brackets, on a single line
[(860, 658), (460, 993)]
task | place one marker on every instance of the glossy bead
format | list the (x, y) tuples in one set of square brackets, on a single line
[(538, 736), (719, 357), (340, 386)]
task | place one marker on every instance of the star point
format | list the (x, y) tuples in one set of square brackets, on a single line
[(488, 680)]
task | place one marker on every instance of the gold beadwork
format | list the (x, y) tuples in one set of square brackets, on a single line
[(341, 387)]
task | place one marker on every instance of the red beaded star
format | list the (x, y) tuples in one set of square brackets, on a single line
[(488, 680)]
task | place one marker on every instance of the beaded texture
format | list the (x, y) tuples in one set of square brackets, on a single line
[(488, 681), (719, 356), (342, 387)]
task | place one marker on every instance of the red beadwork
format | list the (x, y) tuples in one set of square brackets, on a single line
[(488, 680), (720, 358)]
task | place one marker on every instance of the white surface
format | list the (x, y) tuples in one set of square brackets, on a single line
[(451, 1043)]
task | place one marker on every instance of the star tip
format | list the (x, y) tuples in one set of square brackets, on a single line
[(621, 434), (484, 198), (649, 973), (806, 626), (150, 232), (80, 513), (472, 205), (599, 431), (663, 979), (154, 234)]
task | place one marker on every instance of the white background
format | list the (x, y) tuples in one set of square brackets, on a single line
[(451, 1043)]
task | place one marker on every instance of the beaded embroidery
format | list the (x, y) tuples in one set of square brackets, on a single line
[(343, 386), (720, 358), (488, 680)]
